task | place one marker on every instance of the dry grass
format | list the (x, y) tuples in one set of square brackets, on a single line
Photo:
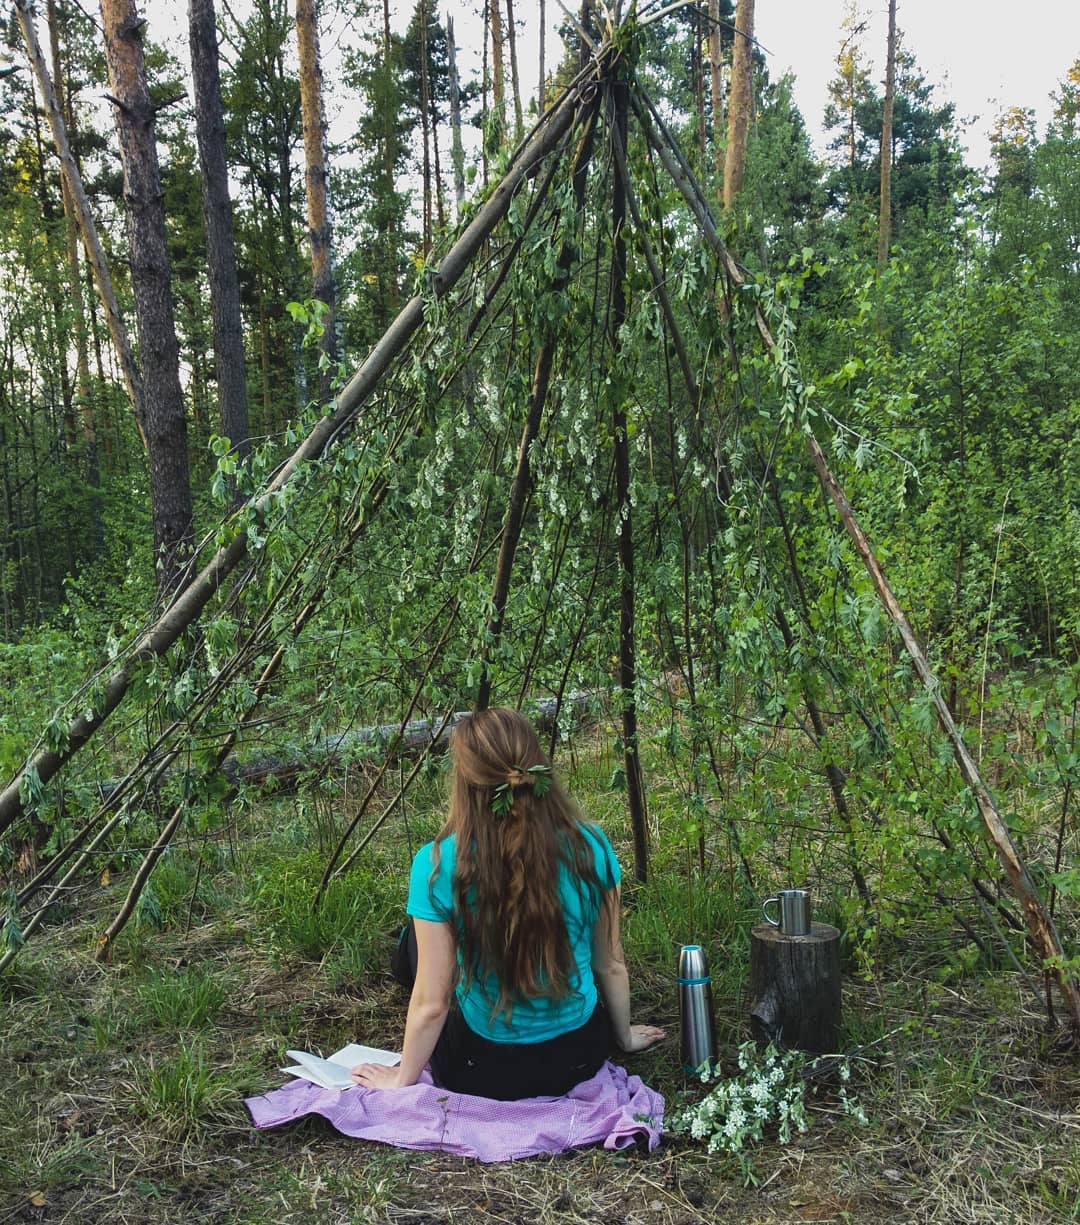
[(114, 1110), (974, 1117)]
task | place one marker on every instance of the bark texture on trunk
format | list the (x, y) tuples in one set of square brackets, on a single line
[(159, 351), (716, 91), (220, 240), (515, 80), (82, 348), (498, 73), (457, 150), (635, 786), (795, 988), (740, 101), (95, 253), (425, 125), (316, 176)]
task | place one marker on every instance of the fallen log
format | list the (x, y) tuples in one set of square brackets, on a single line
[(378, 741)]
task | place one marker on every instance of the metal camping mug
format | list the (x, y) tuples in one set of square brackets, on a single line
[(794, 906), (698, 1029)]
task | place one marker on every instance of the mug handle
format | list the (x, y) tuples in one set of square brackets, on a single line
[(765, 911)]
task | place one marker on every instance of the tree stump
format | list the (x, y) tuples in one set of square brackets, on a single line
[(795, 988)]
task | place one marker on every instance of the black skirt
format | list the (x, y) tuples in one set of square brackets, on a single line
[(466, 1062)]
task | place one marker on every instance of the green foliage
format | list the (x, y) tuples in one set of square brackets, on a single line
[(189, 998), (183, 1088), (355, 916)]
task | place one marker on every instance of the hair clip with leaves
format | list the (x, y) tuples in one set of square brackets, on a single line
[(502, 798)]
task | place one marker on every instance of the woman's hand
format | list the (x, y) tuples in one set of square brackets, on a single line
[(377, 1076), (642, 1037)]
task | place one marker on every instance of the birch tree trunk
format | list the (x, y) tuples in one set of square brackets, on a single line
[(159, 351), (739, 101), (885, 209), (220, 241), (316, 175)]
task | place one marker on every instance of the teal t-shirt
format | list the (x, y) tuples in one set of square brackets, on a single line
[(532, 1020)]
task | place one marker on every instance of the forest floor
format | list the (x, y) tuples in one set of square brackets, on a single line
[(123, 1084)]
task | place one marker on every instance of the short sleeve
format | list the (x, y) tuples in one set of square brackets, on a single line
[(430, 899), (607, 862)]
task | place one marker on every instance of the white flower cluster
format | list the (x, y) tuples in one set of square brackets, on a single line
[(770, 1088)]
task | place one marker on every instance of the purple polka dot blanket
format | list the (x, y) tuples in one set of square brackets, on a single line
[(613, 1108)]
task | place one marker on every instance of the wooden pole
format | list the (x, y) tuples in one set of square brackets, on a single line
[(1041, 928), (624, 518), (522, 482), (190, 600), (95, 253)]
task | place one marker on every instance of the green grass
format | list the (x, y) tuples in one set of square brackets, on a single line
[(184, 1090), (190, 998), (353, 920), (958, 1077), (45, 1164)]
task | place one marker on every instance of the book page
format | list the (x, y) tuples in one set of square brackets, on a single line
[(349, 1056), (322, 1071)]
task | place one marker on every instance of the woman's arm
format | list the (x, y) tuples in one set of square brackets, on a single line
[(428, 1005), (609, 970)]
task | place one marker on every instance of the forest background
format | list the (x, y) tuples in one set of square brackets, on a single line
[(927, 315)]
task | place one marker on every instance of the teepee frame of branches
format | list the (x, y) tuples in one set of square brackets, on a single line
[(606, 93)]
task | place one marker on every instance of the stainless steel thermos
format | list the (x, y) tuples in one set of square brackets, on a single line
[(698, 1029)]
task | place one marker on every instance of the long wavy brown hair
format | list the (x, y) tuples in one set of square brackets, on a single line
[(506, 870)]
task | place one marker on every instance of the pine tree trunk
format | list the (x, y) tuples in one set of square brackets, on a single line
[(498, 77), (95, 253), (82, 353), (49, 216), (457, 150), (316, 177), (388, 163), (716, 92), (885, 211), (515, 82), (220, 242), (425, 124), (159, 351), (440, 194), (739, 101), (543, 47)]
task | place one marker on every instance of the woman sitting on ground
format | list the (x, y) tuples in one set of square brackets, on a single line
[(517, 901)]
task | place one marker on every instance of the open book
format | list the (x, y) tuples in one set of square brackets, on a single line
[(336, 1072)]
